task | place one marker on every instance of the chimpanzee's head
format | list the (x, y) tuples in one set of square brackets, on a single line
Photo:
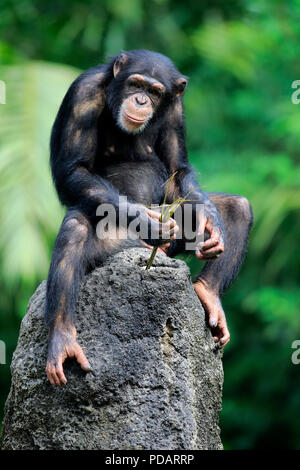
[(143, 84)]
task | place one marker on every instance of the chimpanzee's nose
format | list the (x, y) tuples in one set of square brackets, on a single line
[(141, 99)]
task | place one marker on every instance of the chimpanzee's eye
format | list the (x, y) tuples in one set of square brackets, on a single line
[(155, 92), (135, 85)]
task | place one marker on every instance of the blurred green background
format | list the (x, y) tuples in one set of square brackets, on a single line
[(243, 137)]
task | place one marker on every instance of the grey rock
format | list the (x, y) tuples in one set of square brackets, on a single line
[(158, 376)]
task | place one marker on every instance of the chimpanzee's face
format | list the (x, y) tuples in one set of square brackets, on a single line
[(140, 92), (141, 98)]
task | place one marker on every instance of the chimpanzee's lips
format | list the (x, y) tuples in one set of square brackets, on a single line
[(133, 119)]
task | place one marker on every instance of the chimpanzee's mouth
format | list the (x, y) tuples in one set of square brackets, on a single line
[(133, 119)]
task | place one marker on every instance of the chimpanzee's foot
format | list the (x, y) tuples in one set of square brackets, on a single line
[(213, 307), (63, 344)]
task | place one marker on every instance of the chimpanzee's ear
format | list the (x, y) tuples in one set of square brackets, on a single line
[(119, 63), (180, 86)]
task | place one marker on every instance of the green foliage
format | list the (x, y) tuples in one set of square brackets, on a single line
[(243, 137), (31, 210)]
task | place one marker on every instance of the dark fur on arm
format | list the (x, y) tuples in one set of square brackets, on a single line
[(172, 150), (74, 144)]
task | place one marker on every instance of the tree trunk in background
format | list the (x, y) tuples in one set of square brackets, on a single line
[(158, 377)]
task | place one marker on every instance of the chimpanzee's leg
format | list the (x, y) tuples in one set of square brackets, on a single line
[(237, 217), (219, 273), (74, 251), (78, 248)]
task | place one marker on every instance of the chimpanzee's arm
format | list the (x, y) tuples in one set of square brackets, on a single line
[(172, 150), (74, 144)]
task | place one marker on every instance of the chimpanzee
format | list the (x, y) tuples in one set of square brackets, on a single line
[(120, 131)]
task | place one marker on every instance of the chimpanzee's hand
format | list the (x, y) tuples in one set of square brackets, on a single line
[(154, 232), (213, 247), (63, 344), (160, 232)]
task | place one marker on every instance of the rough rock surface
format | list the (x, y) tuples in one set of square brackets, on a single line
[(158, 377)]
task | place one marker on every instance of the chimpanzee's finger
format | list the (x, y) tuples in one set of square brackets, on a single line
[(51, 373), (211, 242), (146, 245), (224, 332), (201, 224), (206, 257), (209, 226), (81, 358), (171, 223), (153, 214), (225, 339), (167, 230), (221, 333), (156, 215), (214, 251), (59, 371)]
